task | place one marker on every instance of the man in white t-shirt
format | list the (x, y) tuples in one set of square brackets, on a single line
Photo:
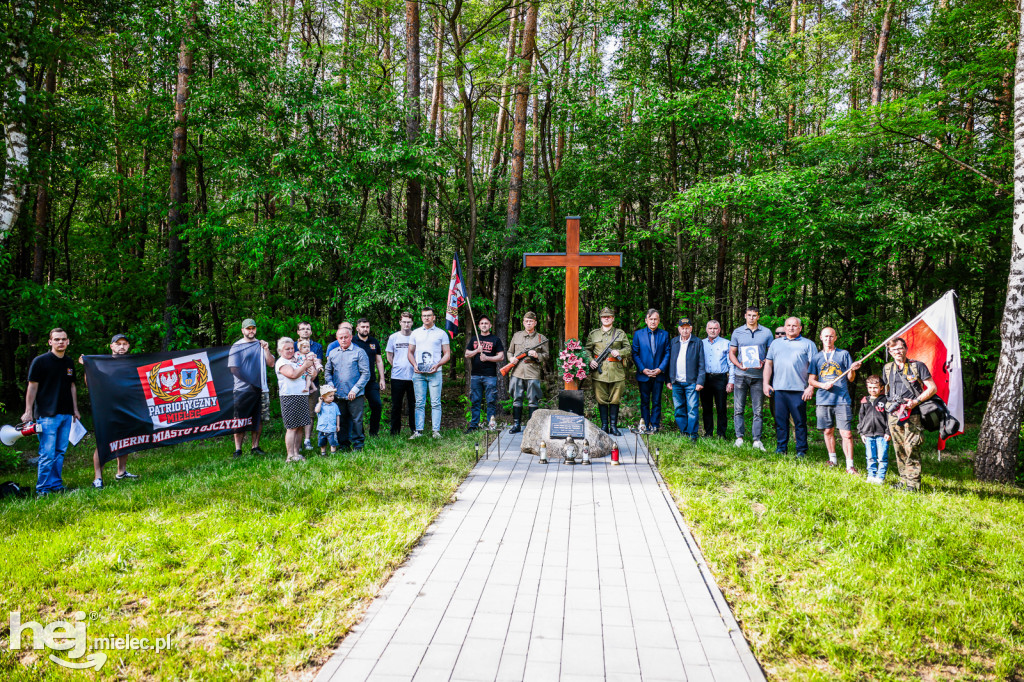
[(429, 350), (245, 364), (401, 374)]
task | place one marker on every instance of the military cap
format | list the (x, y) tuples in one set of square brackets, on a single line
[(248, 322), (605, 311), (684, 322), (530, 315)]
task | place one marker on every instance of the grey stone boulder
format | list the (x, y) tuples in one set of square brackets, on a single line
[(539, 426)]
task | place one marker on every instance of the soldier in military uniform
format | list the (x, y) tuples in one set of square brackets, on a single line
[(610, 384), (527, 373)]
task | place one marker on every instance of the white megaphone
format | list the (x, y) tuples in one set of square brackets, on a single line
[(9, 435)]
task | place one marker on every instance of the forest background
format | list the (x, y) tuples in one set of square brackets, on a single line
[(174, 167)]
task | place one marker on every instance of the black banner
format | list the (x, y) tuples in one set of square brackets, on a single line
[(150, 400)]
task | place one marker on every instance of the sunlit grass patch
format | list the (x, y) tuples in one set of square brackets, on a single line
[(835, 578), (254, 567)]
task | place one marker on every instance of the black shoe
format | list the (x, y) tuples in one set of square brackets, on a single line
[(256, 451), (517, 420), (238, 453), (471, 429), (603, 411), (614, 414)]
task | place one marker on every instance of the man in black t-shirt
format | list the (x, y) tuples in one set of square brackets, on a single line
[(371, 346), (52, 401), (484, 352)]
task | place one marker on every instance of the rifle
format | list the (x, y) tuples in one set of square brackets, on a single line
[(510, 366), (606, 352)]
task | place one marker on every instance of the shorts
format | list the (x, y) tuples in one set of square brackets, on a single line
[(834, 416), (264, 404), (295, 412), (327, 437), (314, 398)]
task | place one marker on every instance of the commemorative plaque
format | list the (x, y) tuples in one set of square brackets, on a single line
[(563, 426)]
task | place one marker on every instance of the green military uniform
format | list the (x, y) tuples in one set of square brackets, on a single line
[(610, 384), (526, 377)]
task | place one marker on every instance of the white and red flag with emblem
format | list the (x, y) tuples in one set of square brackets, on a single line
[(178, 389), (933, 340), (456, 297)]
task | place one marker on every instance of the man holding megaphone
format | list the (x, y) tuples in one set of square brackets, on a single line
[(52, 399)]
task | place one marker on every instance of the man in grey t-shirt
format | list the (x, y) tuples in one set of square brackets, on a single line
[(786, 372), (748, 348)]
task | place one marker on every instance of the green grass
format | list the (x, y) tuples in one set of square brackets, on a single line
[(256, 568), (834, 578)]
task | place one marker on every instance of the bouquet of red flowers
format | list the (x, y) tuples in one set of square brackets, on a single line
[(573, 361)]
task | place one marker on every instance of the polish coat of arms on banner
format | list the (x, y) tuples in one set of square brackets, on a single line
[(179, 389)]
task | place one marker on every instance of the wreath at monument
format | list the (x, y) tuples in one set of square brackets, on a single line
[(573, 361)]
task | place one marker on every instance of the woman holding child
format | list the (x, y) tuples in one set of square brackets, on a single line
[(294, 389)]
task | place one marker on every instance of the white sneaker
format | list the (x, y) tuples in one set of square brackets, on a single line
[(878, 481), (436, 434), (738, 443), (415, 435), (758, 445)]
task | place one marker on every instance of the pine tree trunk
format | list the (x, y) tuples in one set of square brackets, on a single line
[(413, 190), (515, 188), (177, 215), (880, 53), (42, 238), (502, 124), (999, 440)]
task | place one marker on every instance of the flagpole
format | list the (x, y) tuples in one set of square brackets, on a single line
[(892, 336)]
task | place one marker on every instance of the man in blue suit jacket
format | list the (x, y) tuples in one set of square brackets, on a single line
[(686, 373), (650, 354)]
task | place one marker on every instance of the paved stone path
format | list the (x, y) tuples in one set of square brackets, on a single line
[(551, 572)]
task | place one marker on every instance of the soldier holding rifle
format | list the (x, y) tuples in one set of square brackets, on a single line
[(528, 355), (608, 375)]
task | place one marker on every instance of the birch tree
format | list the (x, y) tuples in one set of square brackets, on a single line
[(999, 440), (13, 191)]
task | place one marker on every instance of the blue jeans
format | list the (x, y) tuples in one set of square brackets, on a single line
[(421, 383), (790, 404), (53, 443), (878, 455), (687, 403), (481, 388), (650, 401)]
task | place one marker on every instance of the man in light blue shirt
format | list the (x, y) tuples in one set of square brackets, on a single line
[(348, 369), (719, 378), (786, 372)]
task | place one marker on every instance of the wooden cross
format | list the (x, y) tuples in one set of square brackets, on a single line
[(571, 260)]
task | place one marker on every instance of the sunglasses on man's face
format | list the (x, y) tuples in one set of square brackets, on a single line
[(778, 334)]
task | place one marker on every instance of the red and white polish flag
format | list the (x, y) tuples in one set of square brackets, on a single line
[(932, 338)]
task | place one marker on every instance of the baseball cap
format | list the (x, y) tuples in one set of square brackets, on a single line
[(248, 322), (118, 337), (684, 322)]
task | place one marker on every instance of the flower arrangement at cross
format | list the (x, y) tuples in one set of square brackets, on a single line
[(573, 361)]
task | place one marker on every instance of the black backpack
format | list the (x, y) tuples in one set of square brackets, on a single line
[(11, 489), (935, 415)]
